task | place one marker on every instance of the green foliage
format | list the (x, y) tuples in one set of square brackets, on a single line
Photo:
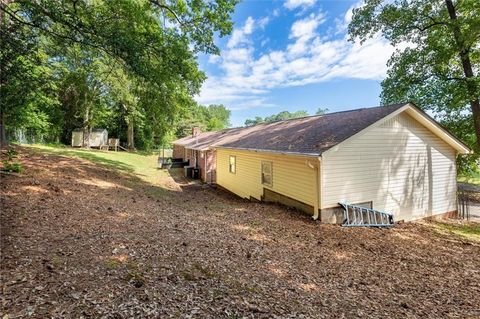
[(438, 69), (111, 64), (9, 164), (472, 178), (11, 154), (27, 90), (208, 118), (14, 167), (321, 111), (284, 115), (255, 121)]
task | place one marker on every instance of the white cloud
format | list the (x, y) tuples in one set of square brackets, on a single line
[(342, 23), (263, 22), (293, 4), (303, 31), (305, 28), (240, 36), (248, 28), (310, 57)]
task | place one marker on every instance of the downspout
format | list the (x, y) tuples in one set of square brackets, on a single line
[(316, 215), (316, 203), (206, 170)]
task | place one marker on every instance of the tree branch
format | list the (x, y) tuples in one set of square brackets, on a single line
[(66, 37), (162, 6), (425, 28)]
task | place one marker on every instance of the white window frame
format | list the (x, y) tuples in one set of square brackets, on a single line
[(271, 173), (234, 171)]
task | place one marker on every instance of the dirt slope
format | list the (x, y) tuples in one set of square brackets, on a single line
[(82, 240)]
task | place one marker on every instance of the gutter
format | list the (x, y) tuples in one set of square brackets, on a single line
[(270, 151)]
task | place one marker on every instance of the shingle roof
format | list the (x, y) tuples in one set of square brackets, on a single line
[(307, 135)]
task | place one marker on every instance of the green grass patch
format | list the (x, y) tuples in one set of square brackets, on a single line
[(144, 166), (470, 231), (473, 178), (12, 167)]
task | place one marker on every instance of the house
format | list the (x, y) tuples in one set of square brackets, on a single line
[(392, 158)]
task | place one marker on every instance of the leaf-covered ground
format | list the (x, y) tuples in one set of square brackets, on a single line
[(81, 239)]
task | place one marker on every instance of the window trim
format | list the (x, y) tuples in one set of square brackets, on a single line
[(234, 164), (271, 173)]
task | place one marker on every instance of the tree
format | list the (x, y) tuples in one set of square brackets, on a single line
[(321, 111), (284, 115), (217, 117), (439, 68), (27, 87), (154, 43), (255, 121), (207, 118)]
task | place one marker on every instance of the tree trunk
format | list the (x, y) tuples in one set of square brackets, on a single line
[(475, 105), (3, 137), (130, 134), (464, 54), (86, 129)]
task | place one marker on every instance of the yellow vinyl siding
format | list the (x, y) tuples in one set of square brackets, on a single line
[(291, 176), (400, 165)]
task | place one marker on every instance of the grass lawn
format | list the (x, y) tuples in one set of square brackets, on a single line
[(472, 179), (144, 166), (469, 231)]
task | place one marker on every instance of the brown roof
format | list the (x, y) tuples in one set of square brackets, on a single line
[(311, 135)]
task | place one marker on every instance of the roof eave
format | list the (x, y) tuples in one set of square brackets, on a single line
[(437, 129)]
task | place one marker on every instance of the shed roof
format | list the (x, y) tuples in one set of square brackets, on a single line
[(311, 135)]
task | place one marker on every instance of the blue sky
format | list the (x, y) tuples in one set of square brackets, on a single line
[(293, 55)]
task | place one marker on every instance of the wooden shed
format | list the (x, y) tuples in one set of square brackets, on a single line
[(98, 137)]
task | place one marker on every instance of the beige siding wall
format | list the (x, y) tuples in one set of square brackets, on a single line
[(292, 176), (401, 166)]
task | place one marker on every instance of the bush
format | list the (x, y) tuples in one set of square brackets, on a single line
[(11, 154), (13, 167)]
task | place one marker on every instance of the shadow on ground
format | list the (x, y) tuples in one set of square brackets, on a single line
[(83, 239)]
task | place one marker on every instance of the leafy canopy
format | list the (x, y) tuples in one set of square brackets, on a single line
[(208, 118), (284, 115), (105, 62), (438, 69)]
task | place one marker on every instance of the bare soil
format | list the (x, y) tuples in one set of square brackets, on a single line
[(80, 239)]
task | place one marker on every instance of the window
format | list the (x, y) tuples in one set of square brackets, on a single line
[(267, 173), (233, 164)]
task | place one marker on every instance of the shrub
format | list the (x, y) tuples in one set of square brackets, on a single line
[(11, 154), (14, 167)]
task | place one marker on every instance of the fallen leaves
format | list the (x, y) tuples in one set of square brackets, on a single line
[(120, 248)]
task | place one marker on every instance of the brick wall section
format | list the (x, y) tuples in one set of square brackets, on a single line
[(208, 173), (212, 163), (207, 164), (178, 151), (190, 156)]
